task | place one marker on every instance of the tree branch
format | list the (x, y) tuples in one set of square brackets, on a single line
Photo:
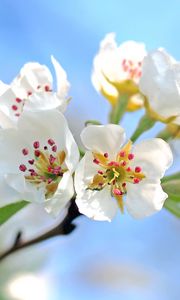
[(64, 228)]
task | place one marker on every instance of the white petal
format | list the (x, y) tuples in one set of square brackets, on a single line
[(103, 138), (145, 198), (61, 77), (97, 205), (160, 82), (154, 156), (62, 196), (32, 75), (8, 195), (44, 101)]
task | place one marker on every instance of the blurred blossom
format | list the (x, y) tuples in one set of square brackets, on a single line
[(117, 70)]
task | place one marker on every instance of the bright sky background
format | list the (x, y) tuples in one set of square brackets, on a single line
[(127, 259)]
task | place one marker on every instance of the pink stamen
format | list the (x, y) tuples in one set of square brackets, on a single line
[(18, 100), (37, 153), (130, 156), (124, 184), (29, 93), (138, 169), (113, 163), (49, 180), (100, 172), (17, 115), (25, 151), (51, 142), (22, 168), (117, 192), (36, 144), (52, 159), (122, 153), (96, 161), (106, 155), (136, 180), (123, 163), (14, 107), (45, 147), (54, 148), (128, 169), (31, 161)]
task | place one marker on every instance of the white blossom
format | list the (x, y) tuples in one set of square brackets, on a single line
[(111, 175), (118, 66), (160, 82), (37, 160), (32, 90)]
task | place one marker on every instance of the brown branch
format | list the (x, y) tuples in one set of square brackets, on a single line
[(64, 228)]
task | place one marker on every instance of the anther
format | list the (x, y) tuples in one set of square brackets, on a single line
[(37, 153), (47, 88), (36, 144), (117, 192), (96, 161), (123, 163), (54, 148), (106, 155), (51, 142), (124, 184), (122, 153), (14, 107), (130, 156), (25, 151), (22, 168), (136, 180), (100, 172), (18, 100), (128, 169), (31, 161), (29, 93), (138, 169)]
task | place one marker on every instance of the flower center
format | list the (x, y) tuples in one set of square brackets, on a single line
[(116, 173), (45, 167), (133, 69), (18, 103)]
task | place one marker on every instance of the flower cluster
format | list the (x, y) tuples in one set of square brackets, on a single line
[(40, 160)]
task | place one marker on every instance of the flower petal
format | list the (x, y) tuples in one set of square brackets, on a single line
[(63, 84), (61, 197), (160, 83), (154, 156), (97, 205), (103, 138), (145, 198)]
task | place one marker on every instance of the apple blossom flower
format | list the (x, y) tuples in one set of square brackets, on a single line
[(117, 70), (32, 90), (110, 171), (160, 83), (37, 160)]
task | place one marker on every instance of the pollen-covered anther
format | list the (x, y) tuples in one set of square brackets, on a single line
[(18, 100), (52, 159), (47, 88), (117, 192), (31, 161), (113, 164), (106, 155)]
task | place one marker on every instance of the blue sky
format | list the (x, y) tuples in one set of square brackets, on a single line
[(71, 31)]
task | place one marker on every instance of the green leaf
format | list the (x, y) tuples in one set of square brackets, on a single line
[(171, 177), (6, 212), (119, 109), (92, 122), (172, 188), (173, 207), (145, 123)]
